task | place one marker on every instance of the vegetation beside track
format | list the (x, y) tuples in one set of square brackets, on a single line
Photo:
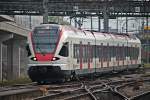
[(21, 80), (147, 65)]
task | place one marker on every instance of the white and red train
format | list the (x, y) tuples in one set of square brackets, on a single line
[(60, 51)]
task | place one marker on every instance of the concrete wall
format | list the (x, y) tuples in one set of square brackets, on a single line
[(13, 58)]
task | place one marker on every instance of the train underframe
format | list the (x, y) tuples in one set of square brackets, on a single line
[(49, 74)]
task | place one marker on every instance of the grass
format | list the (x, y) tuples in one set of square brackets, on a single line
[(22, 80), (147, 65)]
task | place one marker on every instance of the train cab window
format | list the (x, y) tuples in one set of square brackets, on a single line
[(28, 50), (126, 51), (64, 50)]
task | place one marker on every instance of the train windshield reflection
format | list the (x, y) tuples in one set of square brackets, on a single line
[(45, 40)]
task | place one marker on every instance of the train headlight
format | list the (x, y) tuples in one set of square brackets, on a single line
[(34, 58), (55, 58)]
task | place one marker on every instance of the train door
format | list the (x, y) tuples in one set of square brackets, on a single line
[(75, 56), (71, 56), (89, 56)]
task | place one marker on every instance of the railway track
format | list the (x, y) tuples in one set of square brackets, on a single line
[(107, 89), (102, 88), (19, 91), (83, 91), (134, 90), (16, 86)]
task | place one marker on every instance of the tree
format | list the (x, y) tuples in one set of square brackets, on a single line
[(57, 19)]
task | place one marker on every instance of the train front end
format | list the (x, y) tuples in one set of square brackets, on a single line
[(43, 44)]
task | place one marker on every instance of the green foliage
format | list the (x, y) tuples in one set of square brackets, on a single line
[(147, 65), (22, 80)]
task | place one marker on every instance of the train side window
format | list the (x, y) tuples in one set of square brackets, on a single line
[(102, 52), (75, 51), (89, 52), (126, 51), (114, 51), (78, 52), (86, 50), (123, 52), (64, 50), (138, 52), (131, 53), (117, 52), (83, 53), (110, 52), (91, 49), (96, 51)]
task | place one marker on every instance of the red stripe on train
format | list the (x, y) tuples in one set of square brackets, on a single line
[(44, 57)]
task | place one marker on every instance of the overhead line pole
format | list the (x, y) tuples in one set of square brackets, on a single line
[(106, 18), (126, 25), (45, 13), (99, 23)]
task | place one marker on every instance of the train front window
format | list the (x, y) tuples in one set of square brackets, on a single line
[(45, 40)]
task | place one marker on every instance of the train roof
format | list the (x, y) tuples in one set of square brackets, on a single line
[(87, 34), (47, 26), (79, 33)]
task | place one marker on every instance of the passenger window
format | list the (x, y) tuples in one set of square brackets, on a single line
[(64, 50)]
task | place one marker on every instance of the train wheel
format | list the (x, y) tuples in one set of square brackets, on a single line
[(68, 79), (61, 80), (73, 76), (40, 82)]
